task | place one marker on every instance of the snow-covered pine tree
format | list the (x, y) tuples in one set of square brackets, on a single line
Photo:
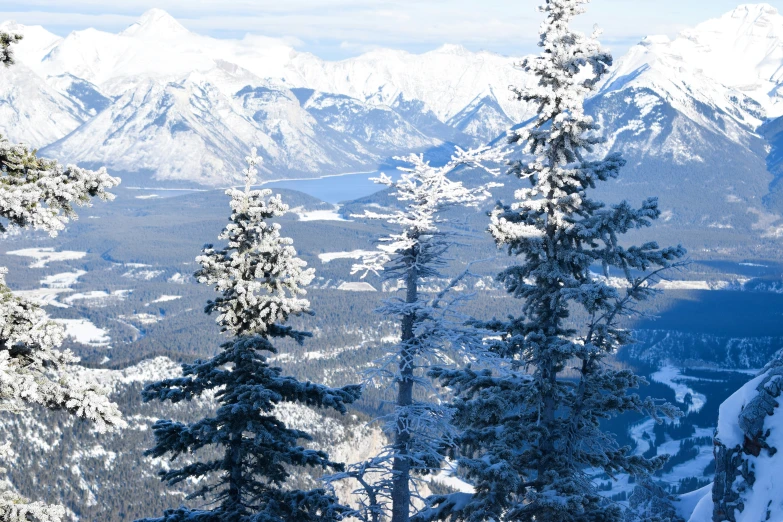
[(531, 438), (41, 194), (649, 502), (430, 326), (261, 281)]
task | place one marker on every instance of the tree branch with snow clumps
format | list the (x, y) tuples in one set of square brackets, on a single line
[(41, 194)]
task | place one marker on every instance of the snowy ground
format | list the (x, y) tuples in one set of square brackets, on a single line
[(64, 280), (96, 298), (357, 287), (142, 273), (673, 378), (43, 296), (354, 254), (319, 215), (166, 298), (178, 278), (43, 256), (142, 318), (83, 331)]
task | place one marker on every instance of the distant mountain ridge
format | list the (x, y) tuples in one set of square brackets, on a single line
[(160, 99)]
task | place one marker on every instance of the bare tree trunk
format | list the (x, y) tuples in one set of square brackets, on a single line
[(401, 466), (235, 472)]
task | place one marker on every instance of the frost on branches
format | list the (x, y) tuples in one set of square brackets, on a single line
[(261, 283), (41, 194), (531, 440), (430, 325)]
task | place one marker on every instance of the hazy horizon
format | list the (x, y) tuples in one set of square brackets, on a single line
[(344, 28)]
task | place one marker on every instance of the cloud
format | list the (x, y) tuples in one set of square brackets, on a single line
[(346, 27)]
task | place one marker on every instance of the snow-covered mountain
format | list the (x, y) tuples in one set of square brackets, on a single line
[(160, 99), (687, 112)]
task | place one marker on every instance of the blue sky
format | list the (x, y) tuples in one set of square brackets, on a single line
[(336, 29)]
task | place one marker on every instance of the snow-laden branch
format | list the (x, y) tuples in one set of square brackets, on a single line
[(41, 194)]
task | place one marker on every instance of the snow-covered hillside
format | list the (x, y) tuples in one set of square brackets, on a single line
[(747, 453)]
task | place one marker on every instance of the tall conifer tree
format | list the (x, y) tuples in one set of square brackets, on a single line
[(414, 257), (261, 281), (531, 437)]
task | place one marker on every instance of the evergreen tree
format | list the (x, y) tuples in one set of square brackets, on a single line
[(430, 327), (40, 194), (649, 502), (6, 50), (532, 437), (261, 281)]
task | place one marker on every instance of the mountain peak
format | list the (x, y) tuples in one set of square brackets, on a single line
[(753, 11), (155, 22), (456, 49), (12, 26)]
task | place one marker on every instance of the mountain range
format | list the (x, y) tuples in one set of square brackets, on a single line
[(695, 115)]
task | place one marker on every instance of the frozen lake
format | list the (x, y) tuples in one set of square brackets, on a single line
[(334, 189)]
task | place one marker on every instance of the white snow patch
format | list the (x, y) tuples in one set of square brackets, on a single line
[(703, 510), (687, 504), (319, 215), (178, 279), (765, 501), (64, 280), (637, 432), (671, 377), (447, 477), (142, 318), (166, 298), (43, 256), (97, 297), (148, 370), (84, 332), (354, 254), (43, 296), (144, 275), (357, 287), (729, 432)]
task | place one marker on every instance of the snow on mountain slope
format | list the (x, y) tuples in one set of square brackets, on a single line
[(742, 49), (653, 66), (379, 127), (686, 101), (192, 130), (690, 138), (482, 118), (198, 128), (37, 41), (156, 46), (446, 79), (95, 474), (33, 112)]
